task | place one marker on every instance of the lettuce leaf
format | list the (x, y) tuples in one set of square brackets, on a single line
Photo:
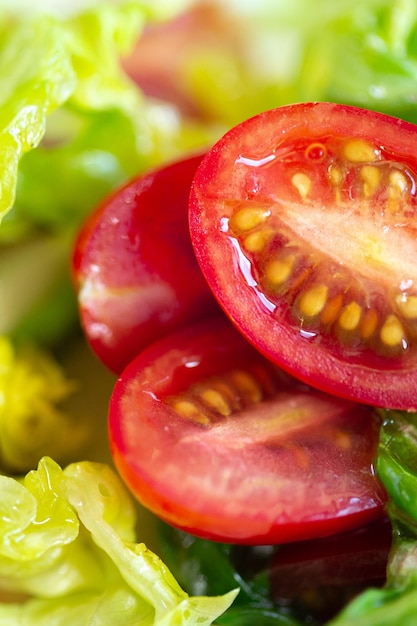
[(34, 390), (67, 539), (209, 568), (64, 91), (397, 459), (42, 79)]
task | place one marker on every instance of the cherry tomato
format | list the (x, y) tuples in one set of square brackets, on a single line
[(134, 268), (218, 441), (321, 576), (304, 222)]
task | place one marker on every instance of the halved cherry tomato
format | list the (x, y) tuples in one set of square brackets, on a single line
[(217, 441), (134, 267), (321, 576), (304, 221)]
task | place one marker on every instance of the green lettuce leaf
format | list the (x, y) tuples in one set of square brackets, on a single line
[(64, 91), (34, 390), (67, 539), (207, 567), (397, 459), (42, 79)]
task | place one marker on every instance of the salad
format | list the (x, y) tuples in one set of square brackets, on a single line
[(104, 103)]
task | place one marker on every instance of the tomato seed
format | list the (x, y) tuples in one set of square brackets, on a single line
[(397, 183), (216, 401), (371, 177), (187, 409), (335, 175), (246, 385), (302, 183), (350, 316), (359, 151), (256, 241), (312, 302), (341, 439), (278, 270), (247, 218), (407, 305), (392, 332)]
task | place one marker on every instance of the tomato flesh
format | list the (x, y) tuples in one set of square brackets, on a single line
[(304, 222), (216, 440), (134, 269)]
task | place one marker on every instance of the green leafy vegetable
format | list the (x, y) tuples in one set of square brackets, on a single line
[(41, 80), (397, 459), (35, 291), (64, 92), (33, 388), (207, 567), (351, 51), (67, 540)]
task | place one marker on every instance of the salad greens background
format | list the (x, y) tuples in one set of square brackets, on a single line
[(75, 123)]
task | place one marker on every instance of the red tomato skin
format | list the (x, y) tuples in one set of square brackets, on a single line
[(240, 481), (134, 268), (299, 353), (324, 574)]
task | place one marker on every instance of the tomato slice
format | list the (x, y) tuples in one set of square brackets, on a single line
[(219, 442), (304, 222), (321, 576), (134, 268)]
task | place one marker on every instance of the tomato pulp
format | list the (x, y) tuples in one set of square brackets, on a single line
[(216, 440), (304, 222), (134, 268)]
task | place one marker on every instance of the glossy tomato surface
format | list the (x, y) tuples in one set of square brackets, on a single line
[(304, 221), (134, 268), (217, 441), (321, 576)]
